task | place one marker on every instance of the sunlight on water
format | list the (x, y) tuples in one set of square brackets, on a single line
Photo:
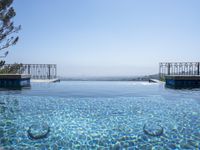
[(154, 118)]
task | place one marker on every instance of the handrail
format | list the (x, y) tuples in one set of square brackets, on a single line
[(178, 68), (38, 71)]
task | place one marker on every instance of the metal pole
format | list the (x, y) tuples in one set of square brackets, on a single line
[(55, 71), (168, 69), (198, 68), (160, 71), (49, 76), (29, 72)]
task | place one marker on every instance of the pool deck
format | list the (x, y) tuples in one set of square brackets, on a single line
[(45, 81), (154, 81)]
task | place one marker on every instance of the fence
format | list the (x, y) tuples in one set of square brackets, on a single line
[(178, 68), (38, 71)]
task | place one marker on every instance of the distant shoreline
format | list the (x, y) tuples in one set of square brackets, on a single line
[(98, 80), (138, 78)]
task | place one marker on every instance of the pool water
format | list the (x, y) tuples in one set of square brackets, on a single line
[(100, 115)]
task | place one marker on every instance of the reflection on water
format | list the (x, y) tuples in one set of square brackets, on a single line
[(104, 115)]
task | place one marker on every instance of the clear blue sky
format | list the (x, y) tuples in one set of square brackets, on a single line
[(107, 37)]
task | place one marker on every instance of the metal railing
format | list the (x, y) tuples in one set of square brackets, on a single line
[(178, 68), (38, 71)]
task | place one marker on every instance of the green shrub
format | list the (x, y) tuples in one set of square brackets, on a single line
[(12, 69)]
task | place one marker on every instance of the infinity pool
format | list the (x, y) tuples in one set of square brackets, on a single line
[(99, 115)]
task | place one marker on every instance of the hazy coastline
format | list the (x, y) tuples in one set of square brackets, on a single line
[(111, 78)]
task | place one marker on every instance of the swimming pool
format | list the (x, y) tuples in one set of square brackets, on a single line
[(100, 115)]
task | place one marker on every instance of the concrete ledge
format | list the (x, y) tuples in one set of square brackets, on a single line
[(154, 81), (14, 80), (182, 81), (183, 77), (45, 81), (14, 76)]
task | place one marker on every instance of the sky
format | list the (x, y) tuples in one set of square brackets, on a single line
[(106, 37)]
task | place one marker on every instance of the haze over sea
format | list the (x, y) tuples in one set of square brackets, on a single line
[(106, 38)]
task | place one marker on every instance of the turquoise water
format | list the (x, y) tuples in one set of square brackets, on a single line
[(100, 115)]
